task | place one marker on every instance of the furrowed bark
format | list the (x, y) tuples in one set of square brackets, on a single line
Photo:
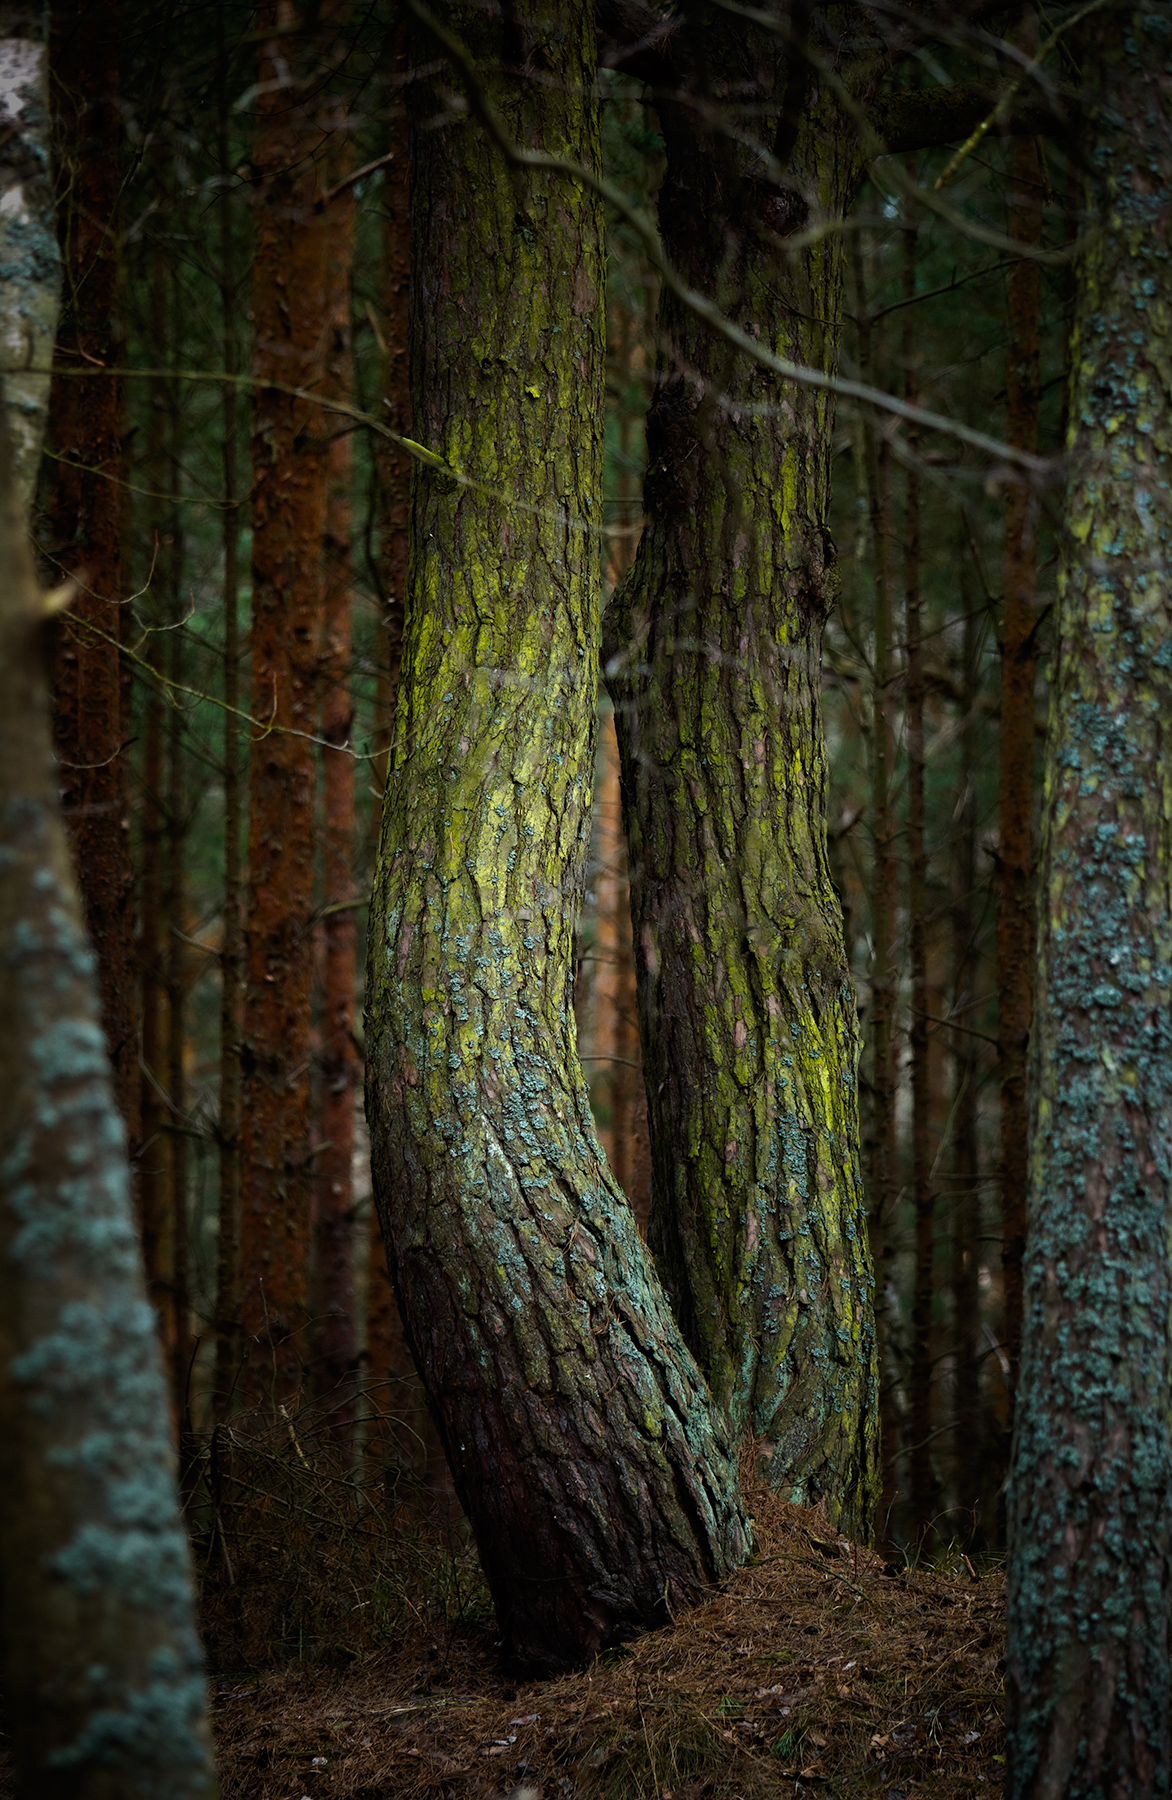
[(1089, 1677), (85, 513), (30, 260), (288, 527), (599, 1480), (103, 1676), (747, 1015)]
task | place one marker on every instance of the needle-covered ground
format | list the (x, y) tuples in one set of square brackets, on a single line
[(819, 1670)]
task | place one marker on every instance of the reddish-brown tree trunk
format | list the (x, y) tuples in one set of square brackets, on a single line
[(394, 1389), (337, 1347), (232, 942), (84, 537), (1018, 667), (288, 528), (156, 1214)]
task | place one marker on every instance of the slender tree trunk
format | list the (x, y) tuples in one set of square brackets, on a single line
[(598, 1479), (156, 1212), (288, 527), (1089, 1676), (923, 1200), (880, 1145), (103, 1672), (1015, 891), (85, 515), (966, 1215), (228, 1346), (337, 1334), (176, 955), (747, 1014), (396, 1411)]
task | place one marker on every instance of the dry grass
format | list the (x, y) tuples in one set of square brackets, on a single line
[(817, 1671)]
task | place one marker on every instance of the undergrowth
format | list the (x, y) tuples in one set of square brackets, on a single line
[(310, 1552)]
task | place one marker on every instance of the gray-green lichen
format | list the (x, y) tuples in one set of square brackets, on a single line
[(1090, 1593)]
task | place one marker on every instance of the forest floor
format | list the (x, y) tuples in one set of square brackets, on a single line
[(819, 1670)]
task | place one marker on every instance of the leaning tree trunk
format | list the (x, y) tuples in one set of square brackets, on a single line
[(1090, 1594), (747, 1014), (600, 1483)]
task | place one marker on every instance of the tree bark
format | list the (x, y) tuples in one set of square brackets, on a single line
[(598, 1479), (1089, 1682), (85, 513), (103, 1675), (288, 528), (30, 259), (747, 1014)]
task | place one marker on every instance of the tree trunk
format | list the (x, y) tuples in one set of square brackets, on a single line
[(923, 1200), (966, 1219), (85, 513), (288, 527), (1089, 1683), (28, 241), (599, 1482), (337, 1347), (747, 1014), (1015, 888), (228, 1347), (103, 1673)]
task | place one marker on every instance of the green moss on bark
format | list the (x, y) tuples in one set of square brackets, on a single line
[(747, 1013), (598, 1478)]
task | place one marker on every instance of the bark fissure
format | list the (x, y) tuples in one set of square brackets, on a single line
[(580, 1435)]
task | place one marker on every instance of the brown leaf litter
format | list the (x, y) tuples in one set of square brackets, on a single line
[(818, 1670)]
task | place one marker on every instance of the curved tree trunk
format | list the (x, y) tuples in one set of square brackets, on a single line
[(1089, 1679), (599, 1482), (747, 1013)]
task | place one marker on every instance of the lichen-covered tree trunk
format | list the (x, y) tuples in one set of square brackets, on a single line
[(598, 1478), (1090, 1585), (288, 527), (83, 538), (747, 1014), (103, 1675)]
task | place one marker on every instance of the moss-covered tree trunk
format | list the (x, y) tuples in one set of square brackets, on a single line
[(1090, 1592), (599, 1481), (747, 1014)]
